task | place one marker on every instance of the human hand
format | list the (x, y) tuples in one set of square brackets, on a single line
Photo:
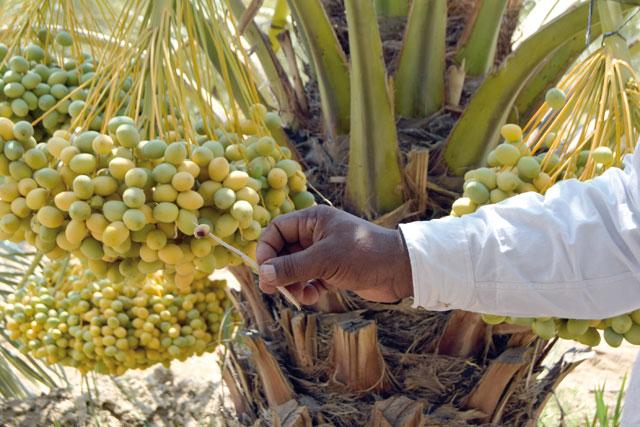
[(322, 248)]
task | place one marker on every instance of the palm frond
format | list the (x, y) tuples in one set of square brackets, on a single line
[(20, 374)]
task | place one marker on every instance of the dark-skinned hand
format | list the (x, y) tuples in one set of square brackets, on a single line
[(323, 249)]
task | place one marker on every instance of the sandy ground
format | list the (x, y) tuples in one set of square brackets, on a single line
[(187, 394), (574, 399)]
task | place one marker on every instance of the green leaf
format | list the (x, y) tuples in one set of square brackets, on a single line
[(329, 63), (478, 130), (419, 81), (632, 2), (613, 20), (392, 7), (532, 95), (30, 368), (205, 37), (11, 387), (374, 180), (226, 326), (601, 408), (26, 369), (266, 57), (617, 411), (478, 43)]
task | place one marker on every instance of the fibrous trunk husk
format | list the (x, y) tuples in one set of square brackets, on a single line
[(291, 414), (433, 367), (464, 336), (397, 411), (357, 360), (331, 302), (358, 368), (256, 306), (275, 384), (300, 331), (489, 390)]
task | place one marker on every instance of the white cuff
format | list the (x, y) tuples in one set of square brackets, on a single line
[(440, 263)]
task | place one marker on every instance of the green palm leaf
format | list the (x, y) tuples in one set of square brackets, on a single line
[(20, 375)]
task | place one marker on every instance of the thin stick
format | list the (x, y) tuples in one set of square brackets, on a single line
[(34, 264), (254, 266), (250, 12), (324, 199)]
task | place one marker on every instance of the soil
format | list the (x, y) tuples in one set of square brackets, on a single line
[(187, 394), (575, 398)]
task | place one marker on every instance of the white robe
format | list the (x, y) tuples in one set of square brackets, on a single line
[(573, 253), (631, 408)]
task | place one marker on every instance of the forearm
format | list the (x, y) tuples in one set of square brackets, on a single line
[(573, 253)]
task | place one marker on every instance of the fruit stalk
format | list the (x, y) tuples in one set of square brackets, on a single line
[(200, 232)]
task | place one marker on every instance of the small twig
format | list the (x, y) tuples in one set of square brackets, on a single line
[(560, 408), (250, 12), (32, 268), (533, 358), (324, 199), (203, 231), (287, 47), (617, 31), (437, 188)]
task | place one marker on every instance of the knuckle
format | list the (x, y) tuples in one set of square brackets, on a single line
[(279, 220), (323, 210), (266, 232), (320, 214), (288, 267), (262, 251)]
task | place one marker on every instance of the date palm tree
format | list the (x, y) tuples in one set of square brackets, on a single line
[(388, 103)]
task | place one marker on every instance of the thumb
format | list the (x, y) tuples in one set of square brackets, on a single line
[(302, 266)]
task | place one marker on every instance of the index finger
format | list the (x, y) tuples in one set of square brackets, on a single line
[(285, 229)]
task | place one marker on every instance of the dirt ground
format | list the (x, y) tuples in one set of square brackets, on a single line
[(574, 399), (187, 394)]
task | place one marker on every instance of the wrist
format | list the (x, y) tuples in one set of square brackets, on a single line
[(403, 277)]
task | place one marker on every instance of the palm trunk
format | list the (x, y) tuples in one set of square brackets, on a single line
[(347, 362), (387, 365)]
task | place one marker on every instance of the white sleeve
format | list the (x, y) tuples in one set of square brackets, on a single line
[(573, 253), (631, 408)]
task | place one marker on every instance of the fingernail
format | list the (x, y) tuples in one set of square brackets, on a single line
[(310, 294), (268, 273)]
